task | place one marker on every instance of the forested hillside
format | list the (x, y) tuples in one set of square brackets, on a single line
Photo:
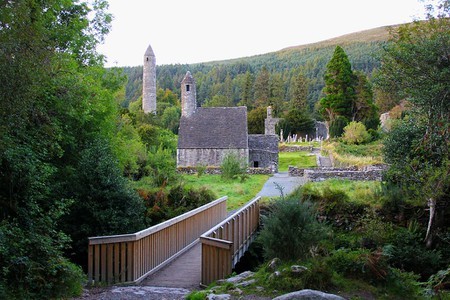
[(237, 81)]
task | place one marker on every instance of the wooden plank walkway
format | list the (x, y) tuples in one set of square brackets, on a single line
[(183, 272)]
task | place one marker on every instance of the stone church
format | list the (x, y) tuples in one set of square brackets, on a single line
[(208, 134)]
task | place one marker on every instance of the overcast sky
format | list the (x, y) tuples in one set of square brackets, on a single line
[(183, 31)]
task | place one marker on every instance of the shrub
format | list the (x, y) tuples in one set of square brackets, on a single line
[(408, 252), (355, 133), (359, 263), (232, 166), (33, 266), (290, 230), (404, 284)]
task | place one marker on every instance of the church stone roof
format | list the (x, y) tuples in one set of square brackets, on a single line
[(214, 128)]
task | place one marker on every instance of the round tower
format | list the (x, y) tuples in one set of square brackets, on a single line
[(149, 82), (188, 95)]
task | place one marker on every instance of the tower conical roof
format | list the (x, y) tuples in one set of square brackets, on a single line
[(188, 78), (149, 51)]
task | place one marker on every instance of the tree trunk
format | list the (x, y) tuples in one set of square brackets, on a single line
[(429, 236)]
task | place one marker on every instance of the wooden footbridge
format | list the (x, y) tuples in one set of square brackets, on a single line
[(206, 243)]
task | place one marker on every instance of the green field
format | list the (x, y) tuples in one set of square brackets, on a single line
[(238, 192), (301, 159)]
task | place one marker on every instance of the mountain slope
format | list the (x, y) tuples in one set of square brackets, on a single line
[(361, 47)]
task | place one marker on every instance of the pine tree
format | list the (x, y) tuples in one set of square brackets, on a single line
[(298, 91), (339, 88)]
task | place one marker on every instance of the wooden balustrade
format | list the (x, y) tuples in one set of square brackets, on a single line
[(132, 257), (226, 243)]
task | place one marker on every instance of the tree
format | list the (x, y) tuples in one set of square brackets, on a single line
[(298, 91), (247, 91), (55, 100), (416, 66), (262, 88), (364, 109), (339, 88), (256, 119)]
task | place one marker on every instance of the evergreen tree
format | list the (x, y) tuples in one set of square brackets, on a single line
[(247, 91), (364, 109), (262, 88), (298, 91), (339, 88)]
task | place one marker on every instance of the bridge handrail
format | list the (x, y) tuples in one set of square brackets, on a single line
[(225, 244), (132, 257)]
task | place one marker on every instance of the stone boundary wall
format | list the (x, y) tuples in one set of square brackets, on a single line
[(295, 148), (217, 171), (352, 173)]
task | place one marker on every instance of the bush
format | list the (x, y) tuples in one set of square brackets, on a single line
[(359, 264), (355, 133), (290, 230), (232, 167), (408, 252), (33, 266)]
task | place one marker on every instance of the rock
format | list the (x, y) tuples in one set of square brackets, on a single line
[(259, 289), (274, 275), (246, 283), (218, 297), (236, 291), (297, 270), (241, 277), (274, 264), (308, 295)]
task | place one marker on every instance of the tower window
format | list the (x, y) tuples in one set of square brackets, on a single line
[(187, 87), (147, 58)]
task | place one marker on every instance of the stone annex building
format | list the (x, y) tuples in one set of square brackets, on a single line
[(207, 135)]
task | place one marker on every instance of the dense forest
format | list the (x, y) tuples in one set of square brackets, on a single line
[(235, 82)]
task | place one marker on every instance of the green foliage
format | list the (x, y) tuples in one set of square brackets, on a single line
[(163, 204), (416, 67), (337, 126), (107, 204), (408, 253), (232, 167), (197, 295), (339, 87), (256, 119), (297, 121), (33, 265), (290, 230), (437, 283), (404, 284), (355, 133)]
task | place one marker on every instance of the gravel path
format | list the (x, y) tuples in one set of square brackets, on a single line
[(280, 181)]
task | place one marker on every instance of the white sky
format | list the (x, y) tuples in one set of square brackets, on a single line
[(192, 31)]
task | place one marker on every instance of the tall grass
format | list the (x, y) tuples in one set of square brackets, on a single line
[(355, 155)]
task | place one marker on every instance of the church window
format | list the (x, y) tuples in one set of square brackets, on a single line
[(147, 58), (187, 87)]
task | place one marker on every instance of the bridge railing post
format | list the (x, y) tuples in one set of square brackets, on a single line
[(225, 244)]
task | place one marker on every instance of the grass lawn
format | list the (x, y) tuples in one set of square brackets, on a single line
[(238, 193), (301, 159)]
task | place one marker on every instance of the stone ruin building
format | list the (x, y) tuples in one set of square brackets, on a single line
[(207, 135)]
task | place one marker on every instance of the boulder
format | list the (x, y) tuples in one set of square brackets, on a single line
[(308, 295), (218, 297), (274, 264), (241, 277)]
